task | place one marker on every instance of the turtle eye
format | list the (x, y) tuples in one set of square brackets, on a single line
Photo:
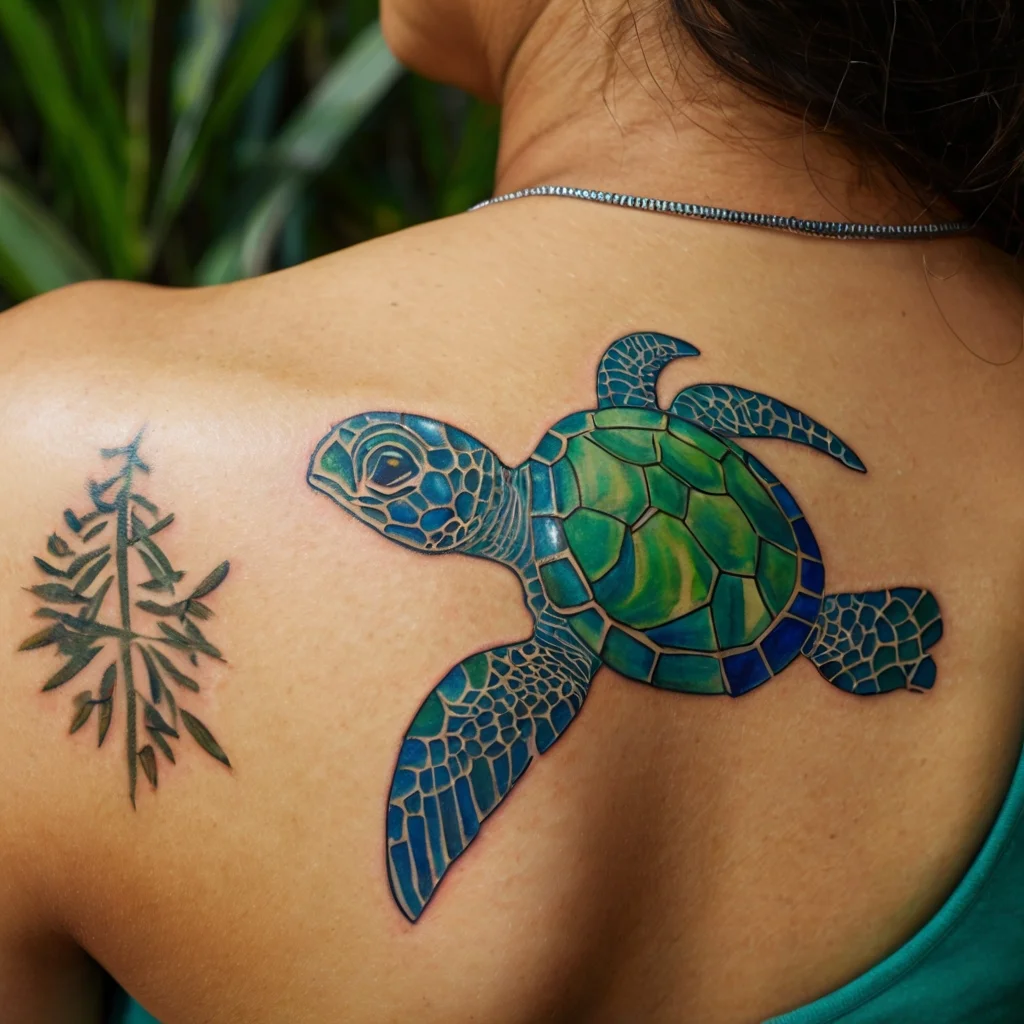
[(392, 467)]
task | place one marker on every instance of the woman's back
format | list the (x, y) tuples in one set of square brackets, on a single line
[(672, 856)]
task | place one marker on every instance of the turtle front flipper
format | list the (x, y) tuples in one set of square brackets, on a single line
[(629, 368), (878, 641), (468, 745), (731, 411)]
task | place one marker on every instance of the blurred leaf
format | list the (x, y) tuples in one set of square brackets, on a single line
[(69, 128), (204, 737), (137, 143), (348, 92), (95, 78), (71, 669), (37, 253), (148, 761), (258, 46), (195, 76), (212, 582), (471, 177)]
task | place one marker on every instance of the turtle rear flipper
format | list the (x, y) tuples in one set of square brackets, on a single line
[(877, 641)]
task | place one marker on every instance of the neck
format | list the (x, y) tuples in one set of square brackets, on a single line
[(505, 537), (596, 101)]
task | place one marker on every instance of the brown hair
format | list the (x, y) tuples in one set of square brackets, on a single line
[(935, 88)]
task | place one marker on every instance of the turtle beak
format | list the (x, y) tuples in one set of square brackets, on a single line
[(330, 469)]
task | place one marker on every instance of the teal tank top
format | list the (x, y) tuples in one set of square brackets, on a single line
[(965, 966)]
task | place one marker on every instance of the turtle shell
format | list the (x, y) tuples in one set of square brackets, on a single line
[(675, 555)]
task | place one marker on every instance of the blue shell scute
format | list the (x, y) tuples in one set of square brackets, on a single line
[(783, 643), (812, 576), (745, 671)]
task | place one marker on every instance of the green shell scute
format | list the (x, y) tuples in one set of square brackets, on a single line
[(635, 446), (607, 484), (662, 574), (757, 504), (723, 531), (595, 539), (566, 489), (698, 437), (627, 654), (564, 584), (776, 576), (739, 612), (652, 419), (689, 673), (675, 553), (692, 465), (667, 492), (589, 626), (693, 632), (573, 424)]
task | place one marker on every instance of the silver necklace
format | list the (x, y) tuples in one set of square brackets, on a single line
[(798, 225)]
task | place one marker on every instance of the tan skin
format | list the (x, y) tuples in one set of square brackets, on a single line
[(672, 858)]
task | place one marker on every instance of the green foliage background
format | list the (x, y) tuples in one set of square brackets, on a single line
[(190, 142)]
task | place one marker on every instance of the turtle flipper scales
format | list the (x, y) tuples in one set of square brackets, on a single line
[(731, 411), (468, 745), (629, 368), (877, 641)]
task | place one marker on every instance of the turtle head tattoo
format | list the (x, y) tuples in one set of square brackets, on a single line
[(417, 481), (647, 541)]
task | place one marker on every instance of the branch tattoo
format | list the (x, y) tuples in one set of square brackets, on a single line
[(645, 540), (82, 626)]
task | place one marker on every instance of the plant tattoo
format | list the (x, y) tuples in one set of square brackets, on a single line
[(645, 540), (122, 521)]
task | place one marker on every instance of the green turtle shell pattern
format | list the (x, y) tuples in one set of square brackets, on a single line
[(674, 554), (646, 540)]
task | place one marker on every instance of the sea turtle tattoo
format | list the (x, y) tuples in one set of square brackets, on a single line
[(645, 540)]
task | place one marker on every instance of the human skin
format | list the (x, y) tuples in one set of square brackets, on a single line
[(673, 857)]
